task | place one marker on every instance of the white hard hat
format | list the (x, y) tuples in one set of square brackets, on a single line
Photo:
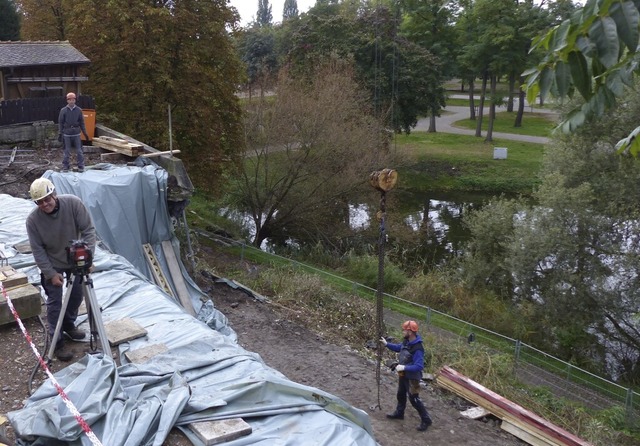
[(40, 188)]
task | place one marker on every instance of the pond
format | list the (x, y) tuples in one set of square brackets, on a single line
[(435, 238)]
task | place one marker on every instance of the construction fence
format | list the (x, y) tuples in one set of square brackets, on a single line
[(22, 111), (532, 365)]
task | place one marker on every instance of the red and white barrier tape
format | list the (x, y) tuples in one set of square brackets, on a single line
[(85, 427)]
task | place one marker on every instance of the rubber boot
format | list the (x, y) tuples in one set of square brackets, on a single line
[(396, 415)]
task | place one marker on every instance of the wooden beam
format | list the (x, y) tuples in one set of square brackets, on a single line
[(507, 410), (152, 154), (176, 277)]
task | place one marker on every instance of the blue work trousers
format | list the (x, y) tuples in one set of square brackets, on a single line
[(69, 142)]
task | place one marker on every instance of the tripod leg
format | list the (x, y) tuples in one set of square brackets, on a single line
[(95, 317), (63, 309)]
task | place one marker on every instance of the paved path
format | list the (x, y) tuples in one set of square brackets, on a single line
[(451, 114)]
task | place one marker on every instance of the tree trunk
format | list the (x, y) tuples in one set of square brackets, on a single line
[(512, 84), (483, 94), (492, 110), (520, 114), (432, 123), (472, 103)]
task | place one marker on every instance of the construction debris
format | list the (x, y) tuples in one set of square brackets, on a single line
[(215, 432), (516, 420), (123, 330)]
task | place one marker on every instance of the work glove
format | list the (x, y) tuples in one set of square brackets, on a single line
[(399, 368), (86, 137), (383, 341), (59, 137)]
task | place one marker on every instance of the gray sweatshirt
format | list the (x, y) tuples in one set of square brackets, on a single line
[(71, 121), (50, 234)]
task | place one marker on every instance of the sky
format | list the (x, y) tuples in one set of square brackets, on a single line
[(248, 9)]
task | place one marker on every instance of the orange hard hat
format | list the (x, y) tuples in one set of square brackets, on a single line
[(410, 325)]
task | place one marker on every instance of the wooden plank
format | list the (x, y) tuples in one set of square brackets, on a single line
[(522, 434), (156, 270), (507, 410), (118, 145), (152, 154), (494, 409), (176, 276)]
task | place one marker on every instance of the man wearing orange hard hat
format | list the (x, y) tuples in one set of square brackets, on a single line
[(409, 369)]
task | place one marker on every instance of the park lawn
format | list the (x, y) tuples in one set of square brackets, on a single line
[(446, 162), (533, 124)]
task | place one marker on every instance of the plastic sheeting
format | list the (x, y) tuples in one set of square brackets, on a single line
[(203, 375)]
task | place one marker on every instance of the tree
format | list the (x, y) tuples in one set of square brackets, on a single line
[(9, 21), (572, 261), (594, 53), (264, 16), (257, 48), (429, 24), (308, 150), (289, 10), (148, 56), (400, 76), (45, 19)]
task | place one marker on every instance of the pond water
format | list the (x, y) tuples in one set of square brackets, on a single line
[(438, 237)]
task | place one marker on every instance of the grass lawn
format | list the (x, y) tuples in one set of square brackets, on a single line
[(446, 162), (533, 124)]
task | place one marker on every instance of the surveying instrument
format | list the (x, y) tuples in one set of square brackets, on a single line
[(80, 257)]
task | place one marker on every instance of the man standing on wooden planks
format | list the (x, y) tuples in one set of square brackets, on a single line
[(71, 123)]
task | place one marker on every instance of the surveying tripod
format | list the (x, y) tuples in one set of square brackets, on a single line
[(80, 256)]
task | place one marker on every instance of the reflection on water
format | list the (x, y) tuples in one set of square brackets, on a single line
[(436, 221)]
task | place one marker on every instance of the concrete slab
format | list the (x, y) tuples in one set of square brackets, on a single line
[(123, 330), (220, 431), (25, 299), (144, 354)]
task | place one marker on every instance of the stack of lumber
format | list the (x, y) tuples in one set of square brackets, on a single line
[(516, 420), (118, 145)]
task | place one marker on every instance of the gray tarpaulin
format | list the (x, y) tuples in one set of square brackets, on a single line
[(203, 375)]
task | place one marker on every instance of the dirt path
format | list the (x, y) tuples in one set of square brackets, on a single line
[(306, 358)]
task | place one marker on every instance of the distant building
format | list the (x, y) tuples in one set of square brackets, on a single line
[(40, 69)]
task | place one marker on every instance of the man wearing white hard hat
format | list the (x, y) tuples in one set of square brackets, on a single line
[(52, 226)]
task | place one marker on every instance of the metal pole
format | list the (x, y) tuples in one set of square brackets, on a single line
[(380, 290), (383, 180), (170, 131)]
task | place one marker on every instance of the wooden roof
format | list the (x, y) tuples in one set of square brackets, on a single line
[(28, 53)]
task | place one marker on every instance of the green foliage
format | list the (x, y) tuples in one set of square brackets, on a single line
[(572, 259), (289, 9), (599, 45), (257, 48), (364, 269), (402, 78), (45, 19), (443, 291), (9, 21), (264, 16), (147, 57)]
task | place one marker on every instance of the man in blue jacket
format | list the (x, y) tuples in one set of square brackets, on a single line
[(71, 123), (409, 369)]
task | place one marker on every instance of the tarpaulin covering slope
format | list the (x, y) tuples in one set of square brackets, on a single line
[(203, 375)]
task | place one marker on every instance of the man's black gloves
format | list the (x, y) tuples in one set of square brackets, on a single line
[(59, 137)]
